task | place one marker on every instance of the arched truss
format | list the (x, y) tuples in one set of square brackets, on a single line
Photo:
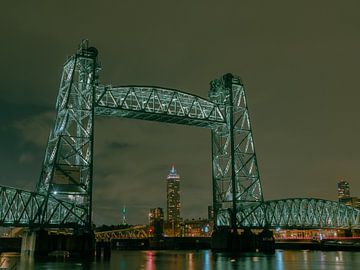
[(137, 232), (64, 189), (303, 213), (311, 213)]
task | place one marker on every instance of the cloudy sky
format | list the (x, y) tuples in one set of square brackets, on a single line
[(299, 64)]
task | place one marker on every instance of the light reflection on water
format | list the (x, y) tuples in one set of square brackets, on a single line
[(204, 260)]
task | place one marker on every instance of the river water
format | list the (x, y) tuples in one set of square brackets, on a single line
[(203, 260)]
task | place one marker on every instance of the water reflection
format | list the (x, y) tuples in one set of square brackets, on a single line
[(150, 260), (206, 260), (279, 261), (190, 261)]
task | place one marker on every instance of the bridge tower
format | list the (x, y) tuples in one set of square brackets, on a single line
[(67, 169), (237, 191)]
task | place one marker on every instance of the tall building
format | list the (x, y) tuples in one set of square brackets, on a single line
[(173, 196), (344, 191)]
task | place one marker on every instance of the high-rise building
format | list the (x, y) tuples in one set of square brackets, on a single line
[(173, 196), (344, 191)]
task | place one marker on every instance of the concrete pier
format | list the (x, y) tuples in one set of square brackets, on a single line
[(224, 239), (43, 244), (103, 249)]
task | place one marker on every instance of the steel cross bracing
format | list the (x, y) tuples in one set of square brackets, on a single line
[(303, 213), (310, 213), (64, 190), (68, 163), (23, 209), (157, 104), (137, 232), (236, 181)]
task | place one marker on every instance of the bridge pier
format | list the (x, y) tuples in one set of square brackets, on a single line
[(103, 248), (266, 242), (225, 239), (35, 244), (42, 244)]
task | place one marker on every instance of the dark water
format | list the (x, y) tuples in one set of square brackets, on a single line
[(206, 260)]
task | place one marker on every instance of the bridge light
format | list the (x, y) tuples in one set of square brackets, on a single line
[(278, 229), (54, 192)]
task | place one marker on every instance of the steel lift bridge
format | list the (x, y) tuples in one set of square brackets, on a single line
[(63, 195)]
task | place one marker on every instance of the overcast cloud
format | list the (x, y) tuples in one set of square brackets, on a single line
[(299, 63)]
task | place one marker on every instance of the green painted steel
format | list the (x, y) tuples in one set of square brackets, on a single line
[(20, 208), (236, 181), (67, 170), (303, 213), (157, 104), (63, 197)]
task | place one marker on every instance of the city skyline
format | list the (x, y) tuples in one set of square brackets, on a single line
[(300, 78)]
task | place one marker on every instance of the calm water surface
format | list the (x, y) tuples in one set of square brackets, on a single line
[(207, 260)]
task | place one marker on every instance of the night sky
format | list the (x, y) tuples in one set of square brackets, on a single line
[(299, 64)]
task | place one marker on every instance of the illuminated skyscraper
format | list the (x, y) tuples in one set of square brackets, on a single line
[(173, 196), (344, 191)]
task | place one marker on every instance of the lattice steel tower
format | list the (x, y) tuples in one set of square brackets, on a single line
[(237, 189), (68, 165)]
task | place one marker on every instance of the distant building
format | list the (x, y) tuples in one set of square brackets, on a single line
[(156, 222), (344, 192), (210, 212), (196, 228), (173, 196), (156, 214)]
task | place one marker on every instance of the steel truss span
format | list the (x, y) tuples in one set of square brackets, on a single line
[(19, 208), (137, 232), (310, 213), (302, 213), (64, 190), (157, 104)]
